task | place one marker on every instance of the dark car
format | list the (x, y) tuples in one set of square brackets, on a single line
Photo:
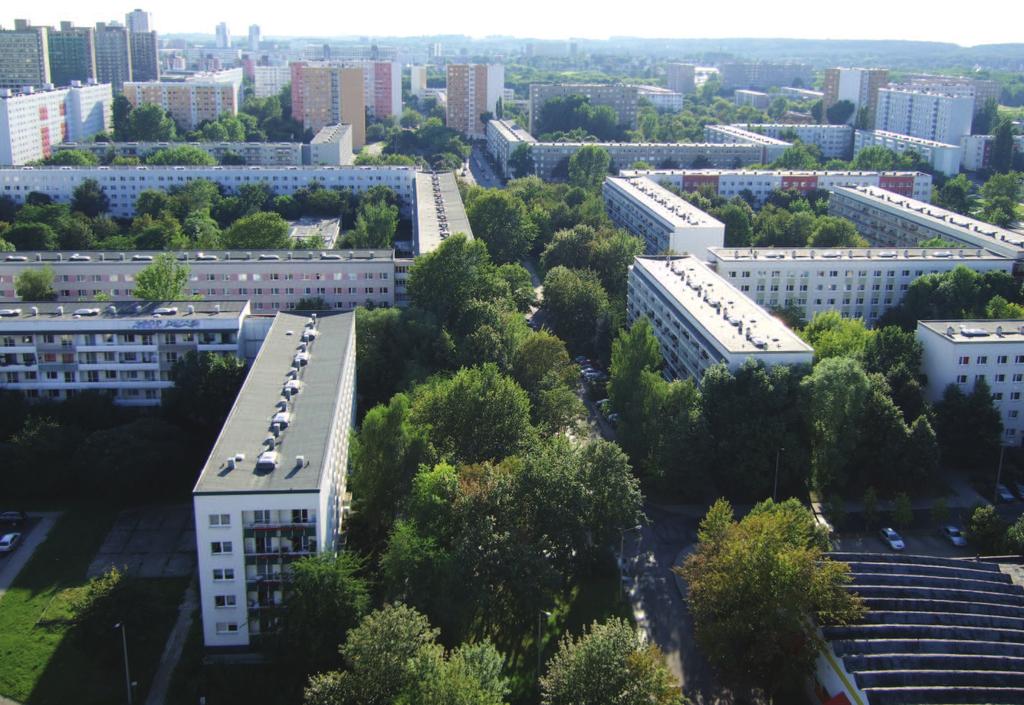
[(13, 518)]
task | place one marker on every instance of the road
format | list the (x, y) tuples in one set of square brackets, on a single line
[(481, 171), (38, 529)]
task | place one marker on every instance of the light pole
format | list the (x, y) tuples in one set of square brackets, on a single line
[(540, 613), (124, 644), (775, 488), (999, 475), (622, 542)]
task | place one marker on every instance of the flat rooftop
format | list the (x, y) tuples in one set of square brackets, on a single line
[(677, 211), (733, 320), (36, 311), (440, 211), (311, 412), (206, 257), (1009, 330), (759, 172), (788, 126), (898, 137), (772, 254), (746, 135), (512, 132), (655, 145)]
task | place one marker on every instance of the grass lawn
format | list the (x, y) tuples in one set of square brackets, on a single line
[(43, 659)]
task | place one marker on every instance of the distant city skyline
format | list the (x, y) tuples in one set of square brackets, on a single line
[(802, 19)]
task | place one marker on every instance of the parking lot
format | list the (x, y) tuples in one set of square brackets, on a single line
[(33, 533), (150, 542), (923, 542)]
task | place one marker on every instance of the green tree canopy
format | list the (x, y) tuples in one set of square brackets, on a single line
[(259, 231), (183, 155), (588, 167), (149, 123), (165, 279), (503, 223), (35, 284)]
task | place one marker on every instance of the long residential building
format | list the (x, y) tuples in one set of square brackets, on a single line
[(700, 319), (620, 98), (966, 352), (273, 489), (53, 351), (24, 56), (857, 282), (473, 90), (891, 220), (72, 53), (980, 90), (197, 98), (328, 94), (977, 151), (858, 86), (762, 75), (665, 222), (755, 99), (662, 99), (835, 141), (931, 116), (759, 185), (270, 80), (34, 122), (944, 158), (771, 148)]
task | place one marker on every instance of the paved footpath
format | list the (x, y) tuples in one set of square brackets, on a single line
[(12, 564), (175, 643)]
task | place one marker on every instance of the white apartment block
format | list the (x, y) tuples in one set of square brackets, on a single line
[(835, 141), (771, 148), (273, 488), (891, 220), (663, 99), (270, 80), (759, 185), (503, 136), (858, 86), (440, 212), (800, 93), (331, 146), (34, 122), (930, 116), (418, 81), (944, 158), (980, 90), (620, 98), (967, 352), (700, 319), (472, 90), (977, 150), (382, 88), (755, 99), (53, 351), (200, 97), (665, 222), (858, 283)]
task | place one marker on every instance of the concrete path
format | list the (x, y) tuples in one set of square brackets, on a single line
[(175, 643), (12, 564)]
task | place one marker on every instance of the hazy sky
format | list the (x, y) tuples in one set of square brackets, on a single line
[(936, 20)]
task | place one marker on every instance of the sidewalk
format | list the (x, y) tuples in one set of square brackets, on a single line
[(16, 561), (175, 644)]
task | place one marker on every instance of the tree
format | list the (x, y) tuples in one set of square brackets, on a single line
[(588, 167), (902, 511), (837, 391), (445, 280), (577, 304), (831, 335), (874, 158), (521, 161), (955, 194), (72, 157), (840, 112), (969, 427), (607, 665), (202, 230), (121, 111), (149, 123), (766, 574), (870, 508), (738, 221), (799, 156), (259, 231), (164, 279), (35, 284), (987, 531), (831, 231), (1002, 146), (184, 155), (205, 387), (31, 236), (503, 223), (1015, 535), (376, 226), (89, 198)]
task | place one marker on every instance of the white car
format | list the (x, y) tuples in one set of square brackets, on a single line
[(955, 535), (1004, 494), (9, 542), (892, 539)]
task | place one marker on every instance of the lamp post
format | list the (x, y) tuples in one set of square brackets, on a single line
[(999, 475), (622, 541), (775, 488), (540, 613), (124, 644)]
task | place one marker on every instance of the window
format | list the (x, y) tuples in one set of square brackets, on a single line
[(222, 574), (1013, 413), (979, 378), (982, 359), (961, 379), (1014, 396), (220, 520), (998, 396), (219, 547), (964, 360), (227, 627), (1001, 360), (1018, 377), (1000, 378), (1019, 359), (300, 516), (261, 516), (223, 600)]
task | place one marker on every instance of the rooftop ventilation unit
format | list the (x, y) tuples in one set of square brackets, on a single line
[(267, 460), (60, 311), (10, 312), (166, 311), (87, 312)]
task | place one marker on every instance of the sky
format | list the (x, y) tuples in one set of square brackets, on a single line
[(935, 20)]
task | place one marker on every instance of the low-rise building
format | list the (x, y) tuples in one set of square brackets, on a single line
[(964, 353), (303, 231), (33, 122), (835, 141), (891, 220), (126, 349), (771, 148), (800, 93), (662, 99), (503, 136), (977, 151), (331, 146), (665, 222), (273, 488), (857, 282), (755, 99), (944, 158), (700, 319)]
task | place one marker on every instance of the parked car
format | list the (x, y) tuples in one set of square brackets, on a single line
[(13, 518), (892, 539), (1019, 486), (581, 360), (1004, 494), (955, 535), (9, 542)]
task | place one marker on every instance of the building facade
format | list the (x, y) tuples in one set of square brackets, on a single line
[(53, 351), (199, 97), (72, 54), (665, 222), (761, 76), (771, 148), (620, 98), (681, 78), (113, 55), (858, 86), (24, 56), (980, 90), (254, 37), (418, 81), (382, 88), (662, 99), (755, 99), (857, 282), (328, 94), (944, 158), (964, 353), (472, 91), (145, 48), (835, 141), (700, 319), (138, 21), (931, 116), (222, 36), (33, 123), (270, 80), (273, 488)]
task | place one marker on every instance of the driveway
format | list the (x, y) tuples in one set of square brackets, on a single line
[(150, 542), (32, 535)]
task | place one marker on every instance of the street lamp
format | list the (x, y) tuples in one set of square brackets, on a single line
[(775, 489), (540, 613), (124, 644), (622, 541), (999, 475)]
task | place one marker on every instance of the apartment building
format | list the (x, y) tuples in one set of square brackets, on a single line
[(930, 116), (254, 37), (327, 94), (891, 220), (113, 55), (681, 78), (273, 488), (834, 141), (34, 122), (138, 21), (858, 86), (472, 91), (222, 36), (858, 282), (503, 136), (418, 81), (620, 98), (700, 319), (755, 99), (759, 185), (270, 80), (963, 353), (771, 148), (761, 76), (944, 158), (331, 146), (662, 99), (976, 150), (199, 97), (981, 90), (145, 50), (440, 212), (800, 93), (382, 88), (665, 222), (53, 351), (72, 53), (24, 56)]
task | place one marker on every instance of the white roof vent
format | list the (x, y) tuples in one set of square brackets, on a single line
[(60, 311), (10, 312), (166, 311), (87, 312), (282, 418), (34, 310), (191, 309), (267, 460)]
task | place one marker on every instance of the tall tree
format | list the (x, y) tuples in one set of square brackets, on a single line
[(503, 223), (1002, 146), (35, 284), (521, 161), (578, 306), (445, 280), (164, 279), (588, 167), (259, 231), (149, 123)]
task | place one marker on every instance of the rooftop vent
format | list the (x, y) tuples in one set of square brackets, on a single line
[(87, 312), (267, 460), (166, 311)]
